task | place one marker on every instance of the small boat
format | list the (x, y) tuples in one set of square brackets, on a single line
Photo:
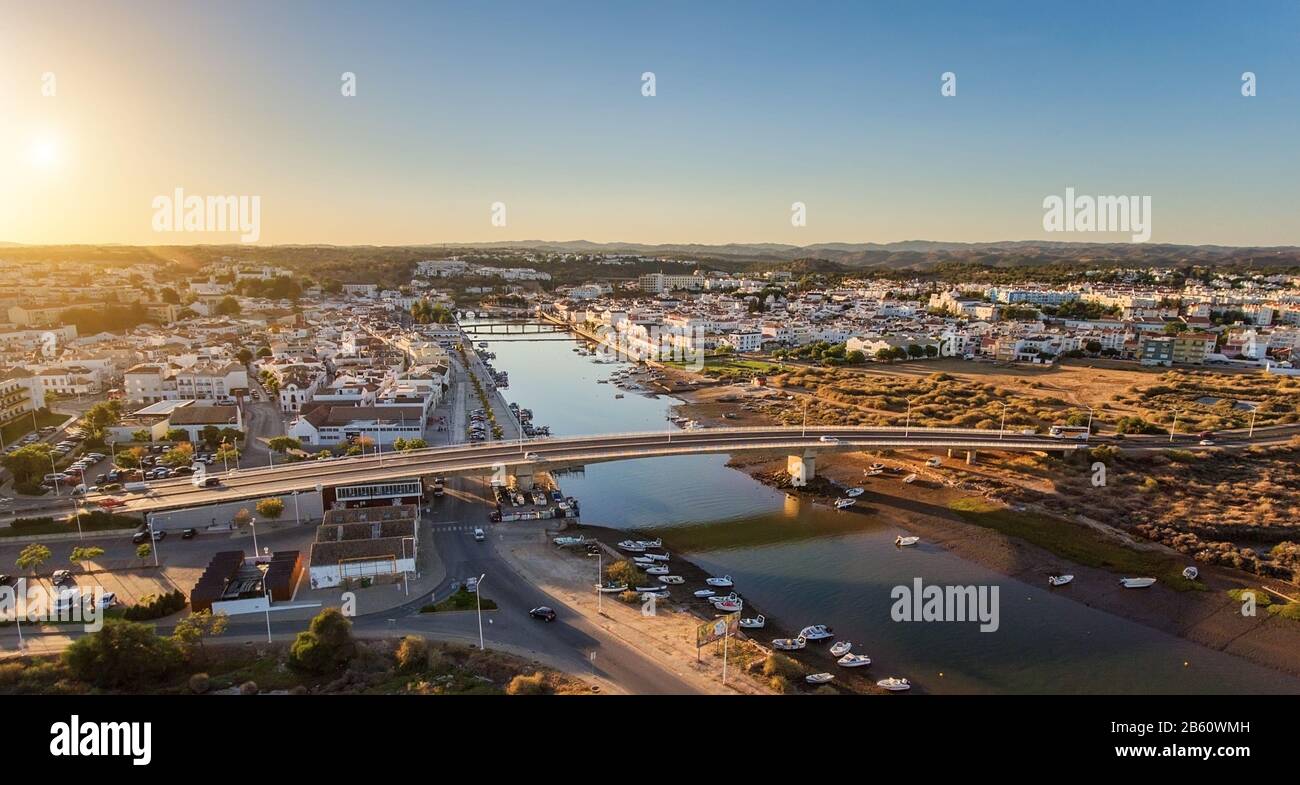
[(902, 542), (650, 543), (789, 644), (644, 561), (631, 545), (567, 542), (704, 593), (732, 597), (755, 623), (657, 556), (728, 606), (1190, 573), (724, 582), (1059, 580), (853, 661), (877, 467), (816, 632), (818, 678), (894, 684), (658, 594), (658, 569), (840, 648), (672, 579), (854, 493), (651, 589), (1136, 583), (873, 472), (909, 479), (841, 504), (618, 395), (611, 588)]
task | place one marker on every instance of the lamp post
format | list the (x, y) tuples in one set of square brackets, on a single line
[(478, 605), (1089, 419), (252, 522), (600, 574), (153, 542), (907, 425), (805, 417), (1002, 430), (1251, 433), (297, 518), (266, 594), (1173, 427)]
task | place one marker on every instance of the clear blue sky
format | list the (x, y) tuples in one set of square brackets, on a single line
[(538, 105)]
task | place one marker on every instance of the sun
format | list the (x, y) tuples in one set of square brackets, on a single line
[(45, 153)]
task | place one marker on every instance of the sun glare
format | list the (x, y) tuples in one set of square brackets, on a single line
[(45, 153)]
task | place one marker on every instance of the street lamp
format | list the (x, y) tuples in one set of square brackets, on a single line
[(1173, 427), (478, 605), (805, 417), (1002, 431), (266, 594), (1089, 408), (1251, 433), (600, 574), (907, 425), (297, 518), (252, 522)]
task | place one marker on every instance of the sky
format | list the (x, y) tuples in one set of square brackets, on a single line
[(539, 107)]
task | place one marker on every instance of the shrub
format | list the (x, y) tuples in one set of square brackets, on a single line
[(248, 688), (528, 685), (781, 665), (779, 684), (199, 683), (155, 607), (122, 654), (326, 646), (412, 653)]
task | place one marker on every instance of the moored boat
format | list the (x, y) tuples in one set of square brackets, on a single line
[(657, 556), (754, 622), (909, 479), (841, 504), (853, 661), (672, 579), (631, 545), (657, 569), (816, 632), (704, 593), (724, 582), (1190, 573), (840, 648), (902, 541), (656, 543), (611, 588), (853, 493), (894, 684), (789, 644), (818, 678), (1136, 583), (1059, 580)]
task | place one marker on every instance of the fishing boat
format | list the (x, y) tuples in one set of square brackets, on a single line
[(754, 623), (660, 594), (631, 545), (894, 684), (657, 569), (704, 593), (728, 606), (903, 542), (854, 493), (840, 648), (618, 395), (818, 678), (843, 504), (656, 543), (611, 588), (1190, 573), (877, 467), (723, 583), (1136, 583), (909, 479), (673, 580), (853, 661), (789, 644), (644, 561), (1059, 580), (816, 632)]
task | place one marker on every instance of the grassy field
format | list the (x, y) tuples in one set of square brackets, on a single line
[(462, 600), (95, 522), (1073, 542), (23, 425)]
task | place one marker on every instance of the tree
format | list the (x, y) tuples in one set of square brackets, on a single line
[(33, 556), (283, 444), (326, 646), (270, 508), (143, 551), (170, 296), (270, 382), (28, 464), (885, 355), (177, 435), (122, 654), (180, 455), (141, 435), (210, 435), (242, 518), (228, 306), (915, 350), (80, 556), (245, 356), (265, 351), (100, 417), (194, 628), (130, 459), (227, 452), (931, 350)]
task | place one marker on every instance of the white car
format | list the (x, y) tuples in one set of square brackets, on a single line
[(829, 440), (532, 456), (479, 534), (1206, 442), (934, 462)]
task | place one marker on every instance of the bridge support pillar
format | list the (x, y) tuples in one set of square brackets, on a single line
[(801, 468), (523, 477), (971, 456), (951, 452)]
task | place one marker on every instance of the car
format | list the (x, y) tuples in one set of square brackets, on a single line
[(110, 503), (5, 580), (934, 462), (532, 456), (61, 577), (543, 612), (143, 535), (479, 534), (188, 534), (829, 440), (107, 600), (1206, 442)]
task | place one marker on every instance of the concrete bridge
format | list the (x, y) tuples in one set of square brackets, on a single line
[(521, 459)]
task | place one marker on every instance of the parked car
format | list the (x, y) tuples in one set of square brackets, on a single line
[(142, 536), (542, 612), (61, 577)]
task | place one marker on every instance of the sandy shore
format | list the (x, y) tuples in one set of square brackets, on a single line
[(1210, 618)]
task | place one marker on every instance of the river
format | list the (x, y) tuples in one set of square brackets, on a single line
[(807, 564)]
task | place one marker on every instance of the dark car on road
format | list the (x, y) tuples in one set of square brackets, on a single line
[(188, 534), (141, 536), (542, 612)]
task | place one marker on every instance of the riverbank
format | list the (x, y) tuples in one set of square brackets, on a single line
[(953, 506)]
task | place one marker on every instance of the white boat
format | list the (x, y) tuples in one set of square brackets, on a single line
[(723, 583), (631, 545), (651, 589), (611, 588), (657, 595), (1190, 573), (1059, 580), (672, 579), (567, 542), (657, 569), (754, 623), (644, 561), (704, 593), (902, 541), (877, 467), (840, 648), (894, 684), (854, 493), (818, 678), (841, 504), (657, 556), (789, 644), (728, 606), (816, 632), (853, 661), (1136, 583), (909, 479), (733, 597), (873, 472), (650, 543)]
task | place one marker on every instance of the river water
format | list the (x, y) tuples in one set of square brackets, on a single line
[(806, 564)]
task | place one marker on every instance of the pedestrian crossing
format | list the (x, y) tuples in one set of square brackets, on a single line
[(456, 526)]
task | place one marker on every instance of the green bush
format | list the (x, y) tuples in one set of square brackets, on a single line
[(412, 653), (122, 654), (326, 646), (155, 606)]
